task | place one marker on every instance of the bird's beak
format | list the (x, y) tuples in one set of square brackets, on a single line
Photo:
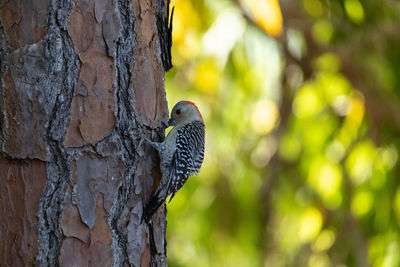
[(171, 122)]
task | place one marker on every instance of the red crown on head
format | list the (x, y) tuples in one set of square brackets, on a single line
[(198, 111)]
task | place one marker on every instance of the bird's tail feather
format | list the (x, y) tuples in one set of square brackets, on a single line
[(153, 205)]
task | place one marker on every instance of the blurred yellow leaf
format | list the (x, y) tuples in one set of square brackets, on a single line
[(308, 102), (322, 31), (185, 17), (319, 260), (354, 10), (310, 224), (324, 240), (267, 14), (355, 115), (207, 75), (387, 157), (329, 62), (360, 162), (313, 7), (264, 116), (186, 26), (326, 178), (362, 203)]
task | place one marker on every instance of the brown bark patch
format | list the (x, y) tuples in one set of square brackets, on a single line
[(72, 226), (147, 69), (73, 253), (93, 176), (27, 29), (21, 185), (95, 251), (92, 110), (101, 231), (145, 259)]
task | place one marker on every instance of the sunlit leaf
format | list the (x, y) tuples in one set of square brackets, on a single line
[(264, 116), (326, 177), (335, 151), (353, 119), (354, 10), (207, 75), (360, 162), (310, 224), (328, 62), (319, 260), (392, 257), (307, 102), (387, 158), (313, 7), (324, 240), (267, 14), (185, 37), (362, 203), (322, 31)]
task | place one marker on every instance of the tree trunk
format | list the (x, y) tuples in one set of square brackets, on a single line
[(77, 78)]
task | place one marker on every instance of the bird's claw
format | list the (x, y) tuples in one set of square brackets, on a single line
[(143, 138), (138, 133)]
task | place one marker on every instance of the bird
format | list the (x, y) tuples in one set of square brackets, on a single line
[(181, 153)]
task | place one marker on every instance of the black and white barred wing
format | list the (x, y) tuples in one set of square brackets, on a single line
[(188, 156)]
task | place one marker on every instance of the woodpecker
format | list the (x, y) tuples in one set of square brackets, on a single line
[(181, 153)]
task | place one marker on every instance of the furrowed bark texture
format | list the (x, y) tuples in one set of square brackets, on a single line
[(78, 78)]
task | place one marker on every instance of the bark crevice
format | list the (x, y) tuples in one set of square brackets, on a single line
[(164, 28), (63, 67), (125, 123), (4, 52)]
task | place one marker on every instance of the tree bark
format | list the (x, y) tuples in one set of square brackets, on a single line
[(78, 77)]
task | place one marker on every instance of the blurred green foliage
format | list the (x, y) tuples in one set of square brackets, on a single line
[(301, 101)]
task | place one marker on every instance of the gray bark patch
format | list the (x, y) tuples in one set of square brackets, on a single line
[(3, 68), (62, 69), (125, 114), (29, 103)]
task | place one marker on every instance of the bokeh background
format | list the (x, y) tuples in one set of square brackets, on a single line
[(301, 99)]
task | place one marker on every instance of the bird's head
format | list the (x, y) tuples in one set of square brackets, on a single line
[(184, 112)]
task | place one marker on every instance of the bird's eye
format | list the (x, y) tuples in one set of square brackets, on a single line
[(178, 111)]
